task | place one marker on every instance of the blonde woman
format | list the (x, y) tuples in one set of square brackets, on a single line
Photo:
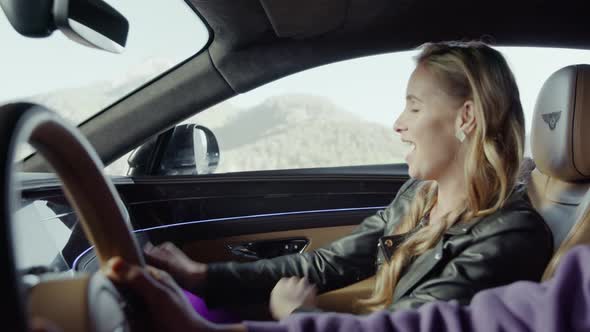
[(460, 225)]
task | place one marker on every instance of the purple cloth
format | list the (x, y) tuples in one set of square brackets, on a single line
[(560, 304), (213, 315)]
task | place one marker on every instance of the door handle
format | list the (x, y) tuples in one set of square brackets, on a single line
[(243, 250), (268, 248)]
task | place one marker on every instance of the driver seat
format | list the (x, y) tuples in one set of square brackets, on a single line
[(559, 186)]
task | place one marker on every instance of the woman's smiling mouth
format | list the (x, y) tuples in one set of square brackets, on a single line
[(411, 147)]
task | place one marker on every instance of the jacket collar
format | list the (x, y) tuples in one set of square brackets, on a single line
[(465, 227)]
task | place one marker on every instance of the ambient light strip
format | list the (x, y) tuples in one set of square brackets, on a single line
[(265, 215)]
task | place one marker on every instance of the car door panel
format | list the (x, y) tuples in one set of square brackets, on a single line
[(217, 249)]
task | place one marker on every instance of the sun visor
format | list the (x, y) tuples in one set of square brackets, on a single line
[(320, 16)]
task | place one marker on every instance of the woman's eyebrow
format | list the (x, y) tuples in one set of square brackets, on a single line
[(413, 98)]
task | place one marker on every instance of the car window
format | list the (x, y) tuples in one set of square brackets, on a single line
[(341, 114)]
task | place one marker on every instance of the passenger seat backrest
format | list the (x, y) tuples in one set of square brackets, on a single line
[(560, 143), (579, 234)]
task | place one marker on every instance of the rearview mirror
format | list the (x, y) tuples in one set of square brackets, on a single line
[(187, 149), (92, 23)]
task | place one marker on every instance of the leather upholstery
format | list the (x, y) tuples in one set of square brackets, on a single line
[(560, 139), (562, 176), (561, 121)]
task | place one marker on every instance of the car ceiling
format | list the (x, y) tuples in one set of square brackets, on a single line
[(260, 40), (256, 41)]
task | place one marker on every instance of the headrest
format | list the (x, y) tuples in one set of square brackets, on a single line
[(560, 136)]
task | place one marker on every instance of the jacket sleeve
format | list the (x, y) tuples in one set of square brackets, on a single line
[(340, 263), (556, 305), (515, 246)]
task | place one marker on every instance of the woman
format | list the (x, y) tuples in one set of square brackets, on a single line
[(460, 225)]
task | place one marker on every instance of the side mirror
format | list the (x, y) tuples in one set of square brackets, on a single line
[(92, 23), (186, 149)]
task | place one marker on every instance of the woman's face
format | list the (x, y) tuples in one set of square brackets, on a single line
[(428, 125)]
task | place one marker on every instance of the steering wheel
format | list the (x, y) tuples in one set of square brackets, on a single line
[(82, 302)]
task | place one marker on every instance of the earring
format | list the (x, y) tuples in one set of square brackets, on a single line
[(460, 134)]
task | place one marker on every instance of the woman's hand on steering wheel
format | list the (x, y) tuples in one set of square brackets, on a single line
[(168, 308)]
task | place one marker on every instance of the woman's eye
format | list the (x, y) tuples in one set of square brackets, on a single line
[(414, 110)]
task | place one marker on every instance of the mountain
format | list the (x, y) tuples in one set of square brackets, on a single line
[(298, 131)]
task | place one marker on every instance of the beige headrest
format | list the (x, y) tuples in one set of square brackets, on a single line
[(560, 136)]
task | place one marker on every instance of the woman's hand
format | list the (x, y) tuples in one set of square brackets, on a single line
[(168, 308), (189, 274), (290, 294)]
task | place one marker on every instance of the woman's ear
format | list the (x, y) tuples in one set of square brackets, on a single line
[(466, 117)]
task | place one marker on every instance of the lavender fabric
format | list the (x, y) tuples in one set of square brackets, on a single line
[(213, 315), (560, 304)]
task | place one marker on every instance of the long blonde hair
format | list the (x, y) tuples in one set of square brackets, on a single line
[(466, 71)]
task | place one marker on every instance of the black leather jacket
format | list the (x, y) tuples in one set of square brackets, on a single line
[(514, 243)]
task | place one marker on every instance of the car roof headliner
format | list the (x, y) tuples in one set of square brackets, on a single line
[(256, 41)]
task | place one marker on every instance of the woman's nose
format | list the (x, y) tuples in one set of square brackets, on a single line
[(399, 126)]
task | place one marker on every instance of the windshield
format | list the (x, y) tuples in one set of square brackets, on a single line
[(77, 81)]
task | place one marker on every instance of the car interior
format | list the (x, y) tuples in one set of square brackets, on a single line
[(252, 215)]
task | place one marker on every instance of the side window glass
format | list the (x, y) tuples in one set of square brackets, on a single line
[(337, 115)]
